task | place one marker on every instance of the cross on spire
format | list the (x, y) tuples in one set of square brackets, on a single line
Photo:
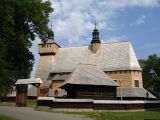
[(51, 25), (95, 24)]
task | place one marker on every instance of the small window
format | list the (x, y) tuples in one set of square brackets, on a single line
[(136, 83)]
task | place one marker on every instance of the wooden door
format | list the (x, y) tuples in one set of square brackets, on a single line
[(21, 96)]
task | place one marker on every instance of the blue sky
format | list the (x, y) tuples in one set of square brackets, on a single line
[(137, 21)]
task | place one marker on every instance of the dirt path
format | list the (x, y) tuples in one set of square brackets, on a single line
[(25, 113)]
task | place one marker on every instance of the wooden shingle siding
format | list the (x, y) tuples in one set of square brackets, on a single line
[(90, 92), (126, 78), (56, 84)]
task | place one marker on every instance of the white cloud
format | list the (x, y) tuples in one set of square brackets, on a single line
[(74, 19), (116, 4), (140, 20)]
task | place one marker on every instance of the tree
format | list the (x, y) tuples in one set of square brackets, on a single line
[(20, 22), (151, 74)]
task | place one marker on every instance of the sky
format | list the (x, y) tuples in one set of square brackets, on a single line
[(137, 21)]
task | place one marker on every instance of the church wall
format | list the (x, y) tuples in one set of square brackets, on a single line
[(95, 47), (91, 92), (44, 66), (47, 48), (137, 75), (126, 78), (56, 84)]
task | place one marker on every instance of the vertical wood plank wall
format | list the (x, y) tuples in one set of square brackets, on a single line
[(21, 97)]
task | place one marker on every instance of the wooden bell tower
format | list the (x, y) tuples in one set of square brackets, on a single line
[(50, 47)]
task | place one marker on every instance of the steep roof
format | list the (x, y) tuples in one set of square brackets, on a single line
[(110, 57), (88, 74), (59, 77)]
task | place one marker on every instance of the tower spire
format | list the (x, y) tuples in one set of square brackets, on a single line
[(51, 33), (95, 35), (95, 43)]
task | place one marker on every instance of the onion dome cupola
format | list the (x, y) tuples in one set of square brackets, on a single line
[(50, 37), (95, 43), (95, 36)]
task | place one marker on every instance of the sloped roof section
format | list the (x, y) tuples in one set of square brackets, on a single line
[(67, 59), (110, 57), (60, 77), (88, 74), (134, 92), (50, 41), (28, 81)]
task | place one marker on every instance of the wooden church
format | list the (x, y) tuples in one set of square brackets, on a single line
[(96, 71)]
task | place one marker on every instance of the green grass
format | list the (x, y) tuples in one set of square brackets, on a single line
[(3, 117), (124, 115), (100, 115), (31, 103), (7, 104)]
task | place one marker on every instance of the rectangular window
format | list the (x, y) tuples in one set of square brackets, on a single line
[(136, 83)]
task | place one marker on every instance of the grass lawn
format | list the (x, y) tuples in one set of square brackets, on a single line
[(31, 103), (100, 115), (3, 117), (150, 115)]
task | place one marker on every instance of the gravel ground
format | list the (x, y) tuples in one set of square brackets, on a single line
[(25, 113)]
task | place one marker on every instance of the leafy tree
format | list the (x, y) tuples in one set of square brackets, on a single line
[(151, 74), (20, 22)]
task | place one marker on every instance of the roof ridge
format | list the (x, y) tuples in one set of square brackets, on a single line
[(112, 42)]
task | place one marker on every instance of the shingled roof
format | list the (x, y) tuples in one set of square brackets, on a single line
[(60, 77), (134, 92), (88, 74), (110, 57)]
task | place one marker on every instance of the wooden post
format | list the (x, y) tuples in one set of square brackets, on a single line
[(38, 90)]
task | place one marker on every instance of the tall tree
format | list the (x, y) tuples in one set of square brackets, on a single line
[(20, 22), (151, 74)]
